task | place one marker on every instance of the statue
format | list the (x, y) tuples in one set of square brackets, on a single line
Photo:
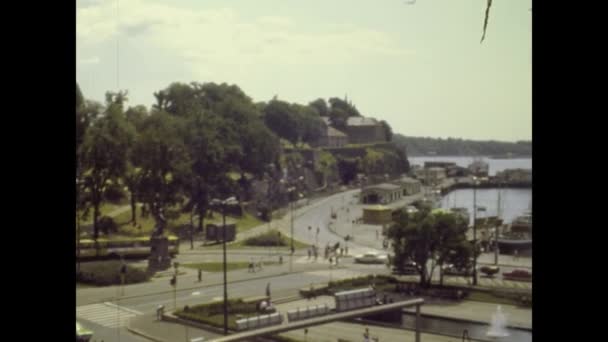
[(161, 222), (159, 244)]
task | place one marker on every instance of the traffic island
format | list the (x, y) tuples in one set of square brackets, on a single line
[(210, 316)]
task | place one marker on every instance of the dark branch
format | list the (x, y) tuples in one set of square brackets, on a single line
[(485, 22)]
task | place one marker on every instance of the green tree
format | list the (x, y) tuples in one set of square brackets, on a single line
[(373, 162), (344, 105), (388, 131), (208, 160), (427, 236), (320, 106), (280, 117), (136, 115), (161, 155), (104, 156), (327, 165)]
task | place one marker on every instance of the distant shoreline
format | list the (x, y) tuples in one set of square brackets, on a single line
[(469, 156)]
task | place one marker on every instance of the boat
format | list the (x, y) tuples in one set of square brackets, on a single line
[(519, 234), (479, 168)]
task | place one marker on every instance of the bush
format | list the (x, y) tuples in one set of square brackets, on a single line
[(271, 238), (107, 225), (212, 313), (108, 273)]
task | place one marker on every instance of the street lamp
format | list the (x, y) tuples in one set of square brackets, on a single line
[(77, 227), (223, 204), (474, 230)]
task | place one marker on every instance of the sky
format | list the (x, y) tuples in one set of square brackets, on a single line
[(418, 66)]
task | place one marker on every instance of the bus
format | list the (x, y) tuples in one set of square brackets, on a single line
[(129, 248)]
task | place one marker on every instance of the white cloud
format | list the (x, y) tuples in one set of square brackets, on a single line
[(219, 37)]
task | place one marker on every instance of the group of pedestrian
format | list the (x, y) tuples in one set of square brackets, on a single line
[(256, 265), (313, 252)]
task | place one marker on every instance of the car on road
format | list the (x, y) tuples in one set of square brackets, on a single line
[(83, 334), (410, 267), (371, 258), (452, 270)]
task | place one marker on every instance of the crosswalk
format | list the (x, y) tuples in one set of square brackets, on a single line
[(106, 314)]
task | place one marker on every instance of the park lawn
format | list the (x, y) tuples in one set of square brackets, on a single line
[(247, 222), (105, 209), (219, 267), (241, 245), (488, 297)]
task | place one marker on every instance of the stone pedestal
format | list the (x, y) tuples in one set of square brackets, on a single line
[(159, 254)]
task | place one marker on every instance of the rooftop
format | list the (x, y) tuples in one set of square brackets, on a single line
[(383, 186), (361, 121), (332, 132), (407, 180)]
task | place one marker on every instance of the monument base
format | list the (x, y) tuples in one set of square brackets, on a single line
[(159, 259)]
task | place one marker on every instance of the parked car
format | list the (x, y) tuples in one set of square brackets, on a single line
[(409, 267), (83, 334), (524, 274), (371, 258), (490, 271), (452, 270)]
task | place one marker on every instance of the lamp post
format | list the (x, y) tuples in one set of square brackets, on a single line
[(290, 190), (223, 204), (77, 227), (474, 230)]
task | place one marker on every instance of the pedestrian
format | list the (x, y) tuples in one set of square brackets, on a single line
[(200, 274), (251, 266), (268, 291), (309, 253), (366, 335), (515, 255), (280, 260)]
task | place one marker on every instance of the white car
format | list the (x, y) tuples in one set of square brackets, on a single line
[(83, 334), (372, 258)]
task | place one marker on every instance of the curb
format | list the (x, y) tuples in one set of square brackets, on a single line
[(144, 335)]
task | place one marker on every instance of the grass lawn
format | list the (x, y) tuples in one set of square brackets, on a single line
[(488, 297), (105, 209), (219, 267), (241, 245), (211, 313)]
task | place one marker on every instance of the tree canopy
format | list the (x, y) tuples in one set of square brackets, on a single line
[(429, 236)]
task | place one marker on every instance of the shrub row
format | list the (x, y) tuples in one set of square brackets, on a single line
[(108, 273), (271, 238)]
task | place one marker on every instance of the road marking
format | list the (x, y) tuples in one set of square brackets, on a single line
[(106, 314)]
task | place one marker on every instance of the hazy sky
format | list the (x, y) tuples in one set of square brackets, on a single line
[(418, 66)]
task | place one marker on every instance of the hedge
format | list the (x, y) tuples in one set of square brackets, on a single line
[(105, 273)]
